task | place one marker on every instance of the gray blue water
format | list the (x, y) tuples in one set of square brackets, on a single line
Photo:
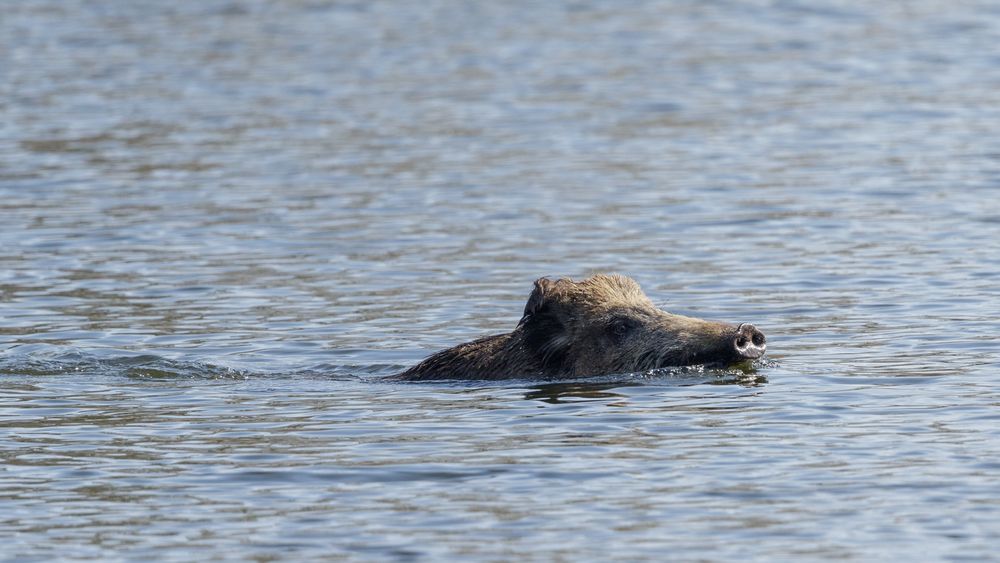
[(223, 223)]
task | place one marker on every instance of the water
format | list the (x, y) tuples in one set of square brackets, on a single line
[(224, 223)]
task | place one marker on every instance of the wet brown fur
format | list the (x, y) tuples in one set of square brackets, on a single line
[(601, 325)]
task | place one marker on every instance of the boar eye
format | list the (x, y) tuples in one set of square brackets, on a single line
[(620, 327)]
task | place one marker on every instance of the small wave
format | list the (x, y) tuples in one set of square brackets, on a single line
[(739, 374), (138, 366), (58, 361), (50, 361)]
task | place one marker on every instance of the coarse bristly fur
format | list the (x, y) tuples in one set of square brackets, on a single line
[(604, 324)]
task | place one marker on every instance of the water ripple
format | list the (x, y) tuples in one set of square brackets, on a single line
[(225, 223)]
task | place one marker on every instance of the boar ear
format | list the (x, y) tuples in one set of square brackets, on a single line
[(544, 334), (543, 287)]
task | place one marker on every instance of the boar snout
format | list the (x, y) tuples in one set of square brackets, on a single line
[(749, 343)]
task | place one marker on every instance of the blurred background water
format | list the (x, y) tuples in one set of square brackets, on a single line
[(224, 222)]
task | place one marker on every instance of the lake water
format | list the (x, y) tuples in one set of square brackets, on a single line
[(223, 223)]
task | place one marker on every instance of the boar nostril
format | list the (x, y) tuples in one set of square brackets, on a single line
[(749, 341)]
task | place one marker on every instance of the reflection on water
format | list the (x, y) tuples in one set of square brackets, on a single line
[(555, 393), (224, 224)]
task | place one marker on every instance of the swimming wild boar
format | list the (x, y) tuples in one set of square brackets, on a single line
[(601, 325)]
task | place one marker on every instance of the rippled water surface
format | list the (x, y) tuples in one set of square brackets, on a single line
[(224, 223)]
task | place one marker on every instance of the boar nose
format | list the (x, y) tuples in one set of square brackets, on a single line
[(749, 342)]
